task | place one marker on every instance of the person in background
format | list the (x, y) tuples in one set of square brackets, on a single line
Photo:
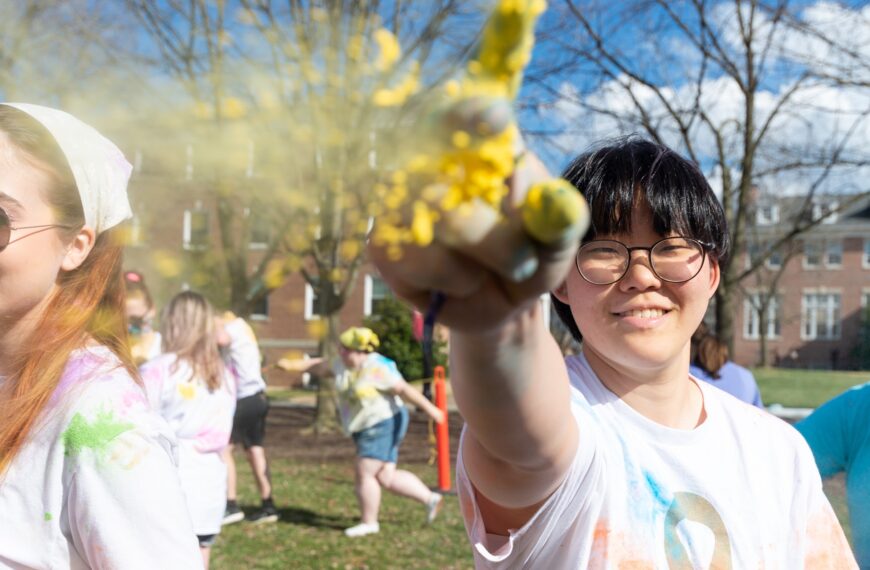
[(711, 364), (242, 357), (190, 387), (838, 432), (145, 342), (87, 470), (371, 391)]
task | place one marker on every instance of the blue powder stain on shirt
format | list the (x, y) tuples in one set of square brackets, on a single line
[(658, 493)]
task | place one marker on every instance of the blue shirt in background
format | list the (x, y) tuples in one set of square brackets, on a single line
[(839, 434), (734, 379)]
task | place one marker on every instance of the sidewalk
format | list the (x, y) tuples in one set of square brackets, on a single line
[(789, 414)]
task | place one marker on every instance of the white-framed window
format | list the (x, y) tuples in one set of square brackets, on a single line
[(812, 254), (820, 316), (375, 291), (834, 253), (826, 210), (195, 230), (767, 214), (865, 259), (752, 320), (260, 311), (312, 304), (756, 250), (865, 306), (774, 261)]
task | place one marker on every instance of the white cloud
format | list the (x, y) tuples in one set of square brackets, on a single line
[(812, 123)]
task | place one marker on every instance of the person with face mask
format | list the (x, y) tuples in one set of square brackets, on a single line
[(145, 341)]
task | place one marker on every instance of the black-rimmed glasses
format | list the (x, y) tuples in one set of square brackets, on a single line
[(674, 259), (6, 229)]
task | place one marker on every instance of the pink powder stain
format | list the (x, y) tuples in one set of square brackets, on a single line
[(78, 369), (211, 439), (133, 397)]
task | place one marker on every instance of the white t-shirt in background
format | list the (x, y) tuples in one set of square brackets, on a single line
[(242, 358), (202, 421), (96, 486), (739, 491)]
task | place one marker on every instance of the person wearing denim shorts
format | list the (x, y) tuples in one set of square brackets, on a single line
[(371, 394)]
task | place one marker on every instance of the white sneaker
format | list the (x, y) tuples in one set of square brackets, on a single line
[(362, 529), (433, 507)]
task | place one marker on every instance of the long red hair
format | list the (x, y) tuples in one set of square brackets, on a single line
[(88, 303)]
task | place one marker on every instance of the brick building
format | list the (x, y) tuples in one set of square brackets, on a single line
[(817, 287), (174, 242)]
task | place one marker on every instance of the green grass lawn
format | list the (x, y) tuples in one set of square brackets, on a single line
[(804, 388), (316, 503)]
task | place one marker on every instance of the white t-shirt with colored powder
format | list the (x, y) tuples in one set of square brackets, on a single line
[(96, 485), (365, 395), (202, 421), (242, 357), (739, 491)]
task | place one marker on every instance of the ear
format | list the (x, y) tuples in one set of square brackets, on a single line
[(79, 248), (561, 292), (714, 275)]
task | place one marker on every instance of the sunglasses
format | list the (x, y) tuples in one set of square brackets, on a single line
[(6, 229)]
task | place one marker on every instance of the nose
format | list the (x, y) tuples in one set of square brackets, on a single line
[(639, 274)]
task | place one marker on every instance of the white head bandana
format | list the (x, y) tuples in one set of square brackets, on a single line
[(100, 170)]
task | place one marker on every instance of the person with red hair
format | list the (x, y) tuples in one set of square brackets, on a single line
[(87, 471)]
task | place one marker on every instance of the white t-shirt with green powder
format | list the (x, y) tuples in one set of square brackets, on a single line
[(96, 486)]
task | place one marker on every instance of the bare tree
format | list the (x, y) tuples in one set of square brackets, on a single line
[(750, 90), (297, 83), (61, 53)]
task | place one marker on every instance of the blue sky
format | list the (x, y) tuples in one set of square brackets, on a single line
[(653, 47)]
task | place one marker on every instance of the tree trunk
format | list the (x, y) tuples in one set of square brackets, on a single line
[(326, 413), (725, 310)]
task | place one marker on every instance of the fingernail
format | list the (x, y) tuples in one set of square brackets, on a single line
[(525, 263)]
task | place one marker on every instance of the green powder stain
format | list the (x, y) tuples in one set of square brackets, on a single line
[(95, 435), (47, 517)]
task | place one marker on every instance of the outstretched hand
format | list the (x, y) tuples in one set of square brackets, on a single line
[(487, 266)]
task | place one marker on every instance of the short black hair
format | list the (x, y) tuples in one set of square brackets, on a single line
[(624, 172)]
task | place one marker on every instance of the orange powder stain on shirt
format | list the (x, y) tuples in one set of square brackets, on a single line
[(827, 546), (600, 538), (611, 550)]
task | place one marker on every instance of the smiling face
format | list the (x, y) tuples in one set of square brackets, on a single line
[(640, 324), (29, 266)]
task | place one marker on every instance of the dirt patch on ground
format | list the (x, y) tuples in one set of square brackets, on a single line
[(288, 435)]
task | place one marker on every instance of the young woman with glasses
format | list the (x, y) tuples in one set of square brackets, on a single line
[(616, 457), (87, 474)]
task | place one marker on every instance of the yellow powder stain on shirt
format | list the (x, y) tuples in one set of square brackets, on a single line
[(187, 391)]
